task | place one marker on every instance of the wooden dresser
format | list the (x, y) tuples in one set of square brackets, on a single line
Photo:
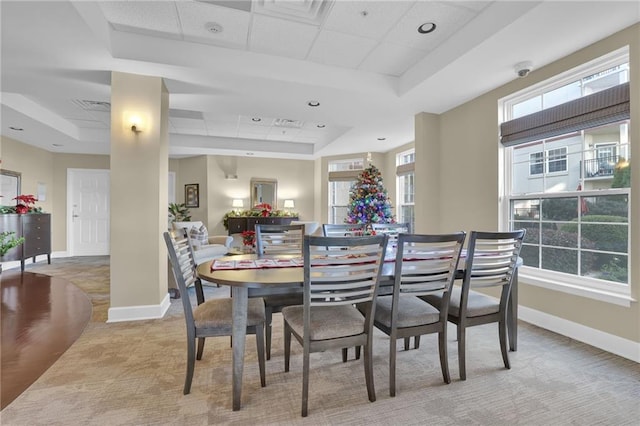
[(241, 224), (36, 230)]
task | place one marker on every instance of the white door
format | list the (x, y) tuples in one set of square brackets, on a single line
[(88, 212)]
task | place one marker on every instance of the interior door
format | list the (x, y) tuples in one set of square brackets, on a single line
[(88, 212)]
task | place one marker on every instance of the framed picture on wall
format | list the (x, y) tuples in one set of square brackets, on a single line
[(191, 195)]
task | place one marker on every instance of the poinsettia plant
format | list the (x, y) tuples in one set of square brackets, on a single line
[(264, 209), (26, 204), (248, 238)]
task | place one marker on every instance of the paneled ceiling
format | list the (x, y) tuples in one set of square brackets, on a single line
[(244, 76)]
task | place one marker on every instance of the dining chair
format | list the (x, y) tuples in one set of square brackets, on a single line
[(335, 280), (391, 229), (343, 229), (278, 240), (209, 318), (424, 264), (491, 261)]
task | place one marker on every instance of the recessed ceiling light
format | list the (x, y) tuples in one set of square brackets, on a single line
[(427, 27), (213, 27), (249, 153), (320, 126), (313, 103), (57, 144), (364, 13), (382, 139), (256, 119), (17, 129)]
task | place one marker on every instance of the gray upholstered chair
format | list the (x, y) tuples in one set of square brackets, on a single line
[(212, 317), (278, 240), (425, 264), (334, 281), (491, 261)]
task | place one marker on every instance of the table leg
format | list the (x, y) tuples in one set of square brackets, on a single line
[(239, 332), (512, 317)]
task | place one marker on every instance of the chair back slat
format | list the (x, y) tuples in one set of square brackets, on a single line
[(492, 258), (347, 273), (184, 268), (279, 239), (426, 263), (343, 229)]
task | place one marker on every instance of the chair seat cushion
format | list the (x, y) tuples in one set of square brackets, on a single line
[(327, 322), (477, 305), (412, 311), (218, 313)]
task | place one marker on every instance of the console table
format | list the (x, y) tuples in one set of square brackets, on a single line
[(36, 230), (248, 223)]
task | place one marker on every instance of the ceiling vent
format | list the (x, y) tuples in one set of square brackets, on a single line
[(92, 105), (185, 113), (290, 124)]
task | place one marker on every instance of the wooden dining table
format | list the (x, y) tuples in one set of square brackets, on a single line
[(258, 282)]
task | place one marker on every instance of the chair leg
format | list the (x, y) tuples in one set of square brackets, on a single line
[(392, 366), (268, 312), (191, 361), (502, 331), (461, 352), (305, 382), (200, 348), (287, 345), (444, 360), (368, 370), (261, 361)]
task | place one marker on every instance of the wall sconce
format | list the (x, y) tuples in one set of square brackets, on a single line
[(134, 121), (288, 204), (237, 204)]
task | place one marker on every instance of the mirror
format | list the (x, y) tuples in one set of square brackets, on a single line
[(9, 187), (264, 191)]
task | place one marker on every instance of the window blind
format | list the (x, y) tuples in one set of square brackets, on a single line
[(604, 107), (345, 175), (405, 169)]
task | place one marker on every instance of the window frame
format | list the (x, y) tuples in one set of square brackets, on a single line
[(602, 290)]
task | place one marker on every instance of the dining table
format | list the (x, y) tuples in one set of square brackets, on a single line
[(265, 281)]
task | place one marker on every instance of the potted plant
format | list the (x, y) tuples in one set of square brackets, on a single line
[(7, 242), (179, 213)]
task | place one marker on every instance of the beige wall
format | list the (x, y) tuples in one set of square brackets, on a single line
[(469, 183)]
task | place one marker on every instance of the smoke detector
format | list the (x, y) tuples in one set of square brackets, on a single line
[(213, 27)]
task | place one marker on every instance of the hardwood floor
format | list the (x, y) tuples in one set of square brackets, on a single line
[(41, 317)]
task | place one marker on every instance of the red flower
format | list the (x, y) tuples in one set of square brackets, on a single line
[(25, 203), (248, 238), (265, 207)]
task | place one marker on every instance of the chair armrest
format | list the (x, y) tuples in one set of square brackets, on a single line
[(225, 240)]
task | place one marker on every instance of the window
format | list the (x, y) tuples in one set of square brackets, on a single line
[(567, 181), (405, 184), (342, 175)]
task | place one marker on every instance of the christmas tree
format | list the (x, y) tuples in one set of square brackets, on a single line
[(368, 200)]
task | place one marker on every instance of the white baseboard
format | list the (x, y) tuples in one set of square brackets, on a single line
[(609, 342), (137, 313)]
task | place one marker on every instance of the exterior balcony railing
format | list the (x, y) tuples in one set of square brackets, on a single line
[(600, 167)]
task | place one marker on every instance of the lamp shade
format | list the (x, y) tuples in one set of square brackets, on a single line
[(288, 204), (237, 203)]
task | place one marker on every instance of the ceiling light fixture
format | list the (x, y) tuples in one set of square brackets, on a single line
[(320, 126), (427, 27), (213, 27), (57, 144), (17, 129), (256, 119), (313, 103), (382, 139), (364, 13)]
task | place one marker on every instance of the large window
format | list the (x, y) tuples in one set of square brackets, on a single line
[(568, 184), (405, 166), (342, 175)]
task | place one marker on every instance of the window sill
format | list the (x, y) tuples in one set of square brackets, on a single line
[(564, 287)]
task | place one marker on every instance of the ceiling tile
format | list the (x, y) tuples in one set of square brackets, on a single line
[(344, 50), (447, 17), (153, 16), (371, 19), (391, 59), (195, 16), (280, 37)]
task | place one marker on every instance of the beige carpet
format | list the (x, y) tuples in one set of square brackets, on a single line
[(133, 374)]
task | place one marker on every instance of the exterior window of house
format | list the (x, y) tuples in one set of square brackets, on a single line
[(342, 175), (405, 184), (568, 184)]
